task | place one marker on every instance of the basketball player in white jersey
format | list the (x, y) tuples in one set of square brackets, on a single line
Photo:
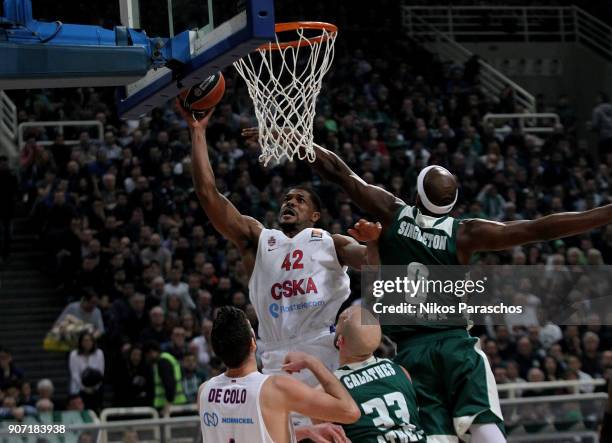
[(298, 277), (244, 406)]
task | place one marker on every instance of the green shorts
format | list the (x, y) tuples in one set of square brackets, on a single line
[(453, 380)]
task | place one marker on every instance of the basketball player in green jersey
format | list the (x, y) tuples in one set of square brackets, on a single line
[(455, 386), (382, 389)]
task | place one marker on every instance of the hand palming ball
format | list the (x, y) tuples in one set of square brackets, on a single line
[(203, 96)]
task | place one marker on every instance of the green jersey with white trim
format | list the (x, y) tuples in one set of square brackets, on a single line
[(415, 237), (420, 241), (387, 401)]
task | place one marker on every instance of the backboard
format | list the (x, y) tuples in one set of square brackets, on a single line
[(196, 38)]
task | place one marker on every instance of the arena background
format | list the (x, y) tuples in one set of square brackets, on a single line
[(110, 216)]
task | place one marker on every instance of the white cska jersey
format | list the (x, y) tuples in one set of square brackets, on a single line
[(297, 288), (231, 410)]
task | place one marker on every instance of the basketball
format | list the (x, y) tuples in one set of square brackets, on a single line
[(205, 95)]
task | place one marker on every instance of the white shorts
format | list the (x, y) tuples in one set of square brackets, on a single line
[(322, 348)]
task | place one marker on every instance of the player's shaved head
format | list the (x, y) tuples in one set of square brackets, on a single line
[(358, 333), (440, 186)]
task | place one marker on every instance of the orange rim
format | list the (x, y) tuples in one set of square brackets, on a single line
[(294, 26)]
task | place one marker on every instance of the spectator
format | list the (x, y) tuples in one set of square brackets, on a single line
[(87, 311), (526, 358), (136, 319), (61, 153), (535, 375), (189, 324), (44, 406), (177, 346), (156, 252), (590, 356), (492, 203), (10, 410), (200, 345), (45, 389), (26, 397), (8, 195), (602, 123), (9, 373), (156, 330), (552, 369), (503, 340), (167, 378), (491, 351), (204, 308), (175, 287), (134, 385), (75, 403), (157, 293), (86, 366), (192, 377), (575, 365)]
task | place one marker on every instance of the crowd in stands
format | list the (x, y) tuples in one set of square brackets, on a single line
[(143, 271)]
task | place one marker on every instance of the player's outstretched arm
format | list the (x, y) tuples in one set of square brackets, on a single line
[(349, 252), (222, 213), (333, 403), (483, 235), (353, 254), (372, 199), (378, 202)]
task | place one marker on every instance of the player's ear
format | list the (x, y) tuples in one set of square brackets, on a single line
[(315, 217), (338, 341)]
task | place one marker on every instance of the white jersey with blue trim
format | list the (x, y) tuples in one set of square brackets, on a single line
[(230, 410)]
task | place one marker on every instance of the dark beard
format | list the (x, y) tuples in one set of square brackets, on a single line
[(288, 227)]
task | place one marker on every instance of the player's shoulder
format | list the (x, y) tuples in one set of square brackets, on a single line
[(253, 223), (200, 392), (277, 388), (341, 239), (404, 210)]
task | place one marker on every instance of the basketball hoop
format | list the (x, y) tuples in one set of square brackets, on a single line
[(284, 80)]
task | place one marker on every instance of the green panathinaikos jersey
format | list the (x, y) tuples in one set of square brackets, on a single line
[(387, 401), (414, 237), (429, 246)]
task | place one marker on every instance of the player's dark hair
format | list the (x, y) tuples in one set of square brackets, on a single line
[(231, 336), (314, 197)]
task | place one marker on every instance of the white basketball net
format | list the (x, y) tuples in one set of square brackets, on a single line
[(284, 84)]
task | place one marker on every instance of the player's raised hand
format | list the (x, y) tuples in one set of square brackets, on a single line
[(250, 133), (195, 121), (296, 361), (365, 231), (253, 133)]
